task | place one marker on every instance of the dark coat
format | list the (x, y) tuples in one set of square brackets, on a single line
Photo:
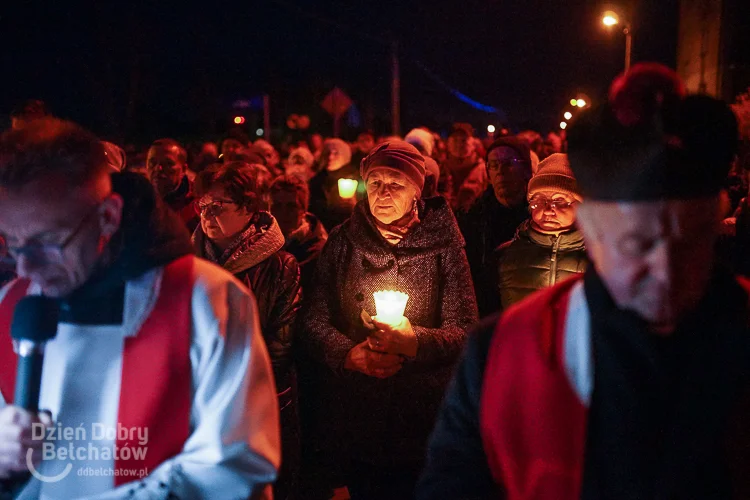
[(325, 201), (273, 276), (306, 246), (387, 421), (181, 202), (533, 260), (486, 226)]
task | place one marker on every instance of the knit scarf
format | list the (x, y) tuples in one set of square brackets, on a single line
[(396, 230)]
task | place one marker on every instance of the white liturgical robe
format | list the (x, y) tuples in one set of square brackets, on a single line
[(233, 448)]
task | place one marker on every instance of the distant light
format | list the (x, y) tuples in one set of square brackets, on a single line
[(568, 115), (580, 103), (610, 18), (239, 120), (491, 129), (574, 102), (259, 132), (563, 125)]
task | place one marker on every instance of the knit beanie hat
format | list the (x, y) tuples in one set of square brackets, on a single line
[(554, 174), (651, 141), (422, 140), (396, 155)]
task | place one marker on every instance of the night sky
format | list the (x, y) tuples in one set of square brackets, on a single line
[(137, 71)]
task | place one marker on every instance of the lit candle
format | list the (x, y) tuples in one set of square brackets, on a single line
[(390, 306), (347, 188)]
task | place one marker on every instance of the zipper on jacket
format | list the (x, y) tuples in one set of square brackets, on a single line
[(553, 261)]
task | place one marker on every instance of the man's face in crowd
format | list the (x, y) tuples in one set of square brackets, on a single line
[(509, 175), (57, 241), (166, 167), (316, 142), (270, 154), (460, 145), (230, 146), (365, 143), (654, 257), (287, 211), (552, 212)]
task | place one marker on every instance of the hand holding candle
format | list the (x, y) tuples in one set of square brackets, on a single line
[(394, 334), (347, 188)]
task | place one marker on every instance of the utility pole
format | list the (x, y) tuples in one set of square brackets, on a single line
[(267, 117), (395, 91)]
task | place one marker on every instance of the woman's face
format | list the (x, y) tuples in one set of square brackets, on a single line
[(390, 194), (552, 212), (221, 218)]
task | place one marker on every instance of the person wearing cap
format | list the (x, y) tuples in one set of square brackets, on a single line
[(547, 248), (325, 200), (466, 167), (381, 384), (633, 380), (495, 216), (300, 163)]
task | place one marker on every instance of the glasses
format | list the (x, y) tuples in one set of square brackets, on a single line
[(554, 204), (506, 164), (212, 208), (41, 253)]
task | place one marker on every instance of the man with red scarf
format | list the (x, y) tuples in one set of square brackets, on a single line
[(634, 380), (158, 383)]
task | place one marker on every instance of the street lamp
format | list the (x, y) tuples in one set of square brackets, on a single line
[(563, 125), (610, 19), (568, 115)]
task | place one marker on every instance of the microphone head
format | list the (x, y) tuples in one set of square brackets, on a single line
[(35, 319)]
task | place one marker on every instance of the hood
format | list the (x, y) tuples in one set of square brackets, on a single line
[(436, 230), (569, 240), (150, 236), (265, 240)]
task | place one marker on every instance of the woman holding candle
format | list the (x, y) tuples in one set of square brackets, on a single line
[(382, 380)]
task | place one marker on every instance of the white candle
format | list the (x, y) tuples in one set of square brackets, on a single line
[(347, 188), (390, 306)]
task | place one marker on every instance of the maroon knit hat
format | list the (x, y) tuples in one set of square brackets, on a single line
[(396, 155)]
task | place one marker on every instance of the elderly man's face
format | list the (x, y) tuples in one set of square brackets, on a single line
[(390, 194), (655, 258), (509, 175), (57, 241), (166, 167)]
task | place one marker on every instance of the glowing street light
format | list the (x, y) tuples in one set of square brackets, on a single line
[(568, 115), (239, 120), (581, 103), (259, 132), (491, 129), (563, 125), (574, 102), (610, 19)]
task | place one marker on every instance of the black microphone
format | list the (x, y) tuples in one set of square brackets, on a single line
[(34, 323)]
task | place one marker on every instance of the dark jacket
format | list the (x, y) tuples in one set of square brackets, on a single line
[(533, 260), (305, 244), (273, 276), (387, 421), (486, 226), (325, 201), (181, 202), (649, 403)]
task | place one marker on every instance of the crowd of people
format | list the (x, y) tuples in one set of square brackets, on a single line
[(601, 263)]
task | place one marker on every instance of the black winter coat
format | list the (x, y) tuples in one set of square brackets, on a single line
[(486, 226), (306, 244), (533, 260), (273, 277), (385, 422)]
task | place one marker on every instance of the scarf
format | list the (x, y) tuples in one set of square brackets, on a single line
[(396, 230)]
